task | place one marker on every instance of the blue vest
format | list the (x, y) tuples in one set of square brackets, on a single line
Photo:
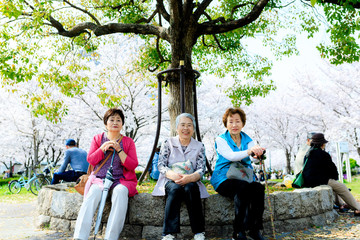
[(222, 164)]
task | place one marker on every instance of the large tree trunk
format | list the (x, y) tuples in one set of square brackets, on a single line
[(183, 39), (288, 160)]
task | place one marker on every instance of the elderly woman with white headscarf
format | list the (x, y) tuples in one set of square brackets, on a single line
[(182, 164)]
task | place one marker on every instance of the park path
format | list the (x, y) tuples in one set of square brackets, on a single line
[(17, 223)]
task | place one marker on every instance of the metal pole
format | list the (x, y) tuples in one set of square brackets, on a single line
[(197, 75), (157, 130), (182, 86)]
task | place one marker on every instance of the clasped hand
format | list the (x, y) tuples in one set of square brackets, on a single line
[(110, 144)]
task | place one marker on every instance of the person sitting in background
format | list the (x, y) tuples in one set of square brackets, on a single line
[(74, 156), (321, 170), (154, 172), (299, 160)]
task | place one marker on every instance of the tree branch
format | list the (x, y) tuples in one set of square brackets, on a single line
[(233, 10), (210, 28), (84, 11), (160, 6), (201, 9), (111, 28), (162, 59), (341, 3), (144, 20)]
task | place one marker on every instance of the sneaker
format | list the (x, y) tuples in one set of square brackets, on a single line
[(168, 237), (199, 236)]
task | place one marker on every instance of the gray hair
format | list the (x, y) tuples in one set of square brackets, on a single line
[(188, 115)]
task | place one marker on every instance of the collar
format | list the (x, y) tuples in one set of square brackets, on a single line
[(245, 139), (177, 144)]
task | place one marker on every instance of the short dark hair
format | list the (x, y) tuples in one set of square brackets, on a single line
[(113, 112), (232, 111)]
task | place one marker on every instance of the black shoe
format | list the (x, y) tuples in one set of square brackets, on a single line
[(256, 235), (239, 236)]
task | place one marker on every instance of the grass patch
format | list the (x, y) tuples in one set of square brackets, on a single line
[(23, 196), (7, 197), (148, 185), (355, 186)]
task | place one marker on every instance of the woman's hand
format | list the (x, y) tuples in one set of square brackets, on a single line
[(110, 144), (256, 151), (173, 175), (188, 178), (184, 179)]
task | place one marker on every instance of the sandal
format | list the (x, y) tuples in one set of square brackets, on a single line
[(343, 209), (356, 213)]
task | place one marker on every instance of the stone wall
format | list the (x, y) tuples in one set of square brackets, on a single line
[(293, 211)]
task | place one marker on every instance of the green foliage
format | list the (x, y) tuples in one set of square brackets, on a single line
[(344, 26), (353, 165), (44, 43)]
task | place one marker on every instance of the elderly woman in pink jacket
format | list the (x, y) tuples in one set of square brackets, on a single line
[(181, 165), (124, 185)]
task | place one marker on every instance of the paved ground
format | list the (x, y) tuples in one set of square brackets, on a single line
[(17, 223)]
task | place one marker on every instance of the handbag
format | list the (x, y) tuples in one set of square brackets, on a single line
[(238, 171), (81, 182), (299, 179)]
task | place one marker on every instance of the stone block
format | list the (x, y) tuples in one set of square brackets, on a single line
[(72, 225), (151, 232), (219, 210), (218, 231), (44, 201), (310, 202), (42, 221), (291, 225), (318, 220), (65, 205), (131, 232), (292, 211), (267, 213), (60, 224), (286, 205), (144, 209), (326, 198)]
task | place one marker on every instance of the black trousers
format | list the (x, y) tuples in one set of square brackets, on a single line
[(68, 176), (248, 201), (175, 195)]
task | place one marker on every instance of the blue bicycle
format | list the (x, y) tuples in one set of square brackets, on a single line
[(34, 184)]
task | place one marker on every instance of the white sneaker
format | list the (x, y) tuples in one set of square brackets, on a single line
[(168, 237), (199, 236)]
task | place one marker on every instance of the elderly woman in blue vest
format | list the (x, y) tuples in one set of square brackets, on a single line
[(181, 165), (235, 145)]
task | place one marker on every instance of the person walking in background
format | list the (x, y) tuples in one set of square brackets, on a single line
[(299, 160), (182, 163), (74, 156), (321, 170), (236, 146)]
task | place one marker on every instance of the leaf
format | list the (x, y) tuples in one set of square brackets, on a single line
[(313, 2)]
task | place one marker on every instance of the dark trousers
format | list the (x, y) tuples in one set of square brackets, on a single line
[(175, 195), (68, 176), (248, 201)]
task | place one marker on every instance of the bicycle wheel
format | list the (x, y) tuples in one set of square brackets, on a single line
[(37, 184), (14, 186)]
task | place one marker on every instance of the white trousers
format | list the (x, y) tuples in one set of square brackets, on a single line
[(115, 223)]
